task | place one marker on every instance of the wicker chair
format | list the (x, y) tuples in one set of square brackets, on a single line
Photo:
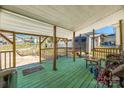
[(114, 68), (119, 72)]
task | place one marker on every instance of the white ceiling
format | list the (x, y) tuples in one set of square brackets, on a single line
[(71, 17)]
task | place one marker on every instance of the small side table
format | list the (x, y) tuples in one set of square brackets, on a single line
[(92, 60)]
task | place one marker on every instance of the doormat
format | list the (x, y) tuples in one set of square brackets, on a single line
[(31, 70)]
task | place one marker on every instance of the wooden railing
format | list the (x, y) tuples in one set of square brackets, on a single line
[(6, 59), (103, 52), (47, 53)]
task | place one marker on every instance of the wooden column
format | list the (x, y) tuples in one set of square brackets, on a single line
[(73, 46), (57, 40), (40, 49), (93, 41), (121, 35), (0, 62), (14, 50), (80, 45), (66, 47), (54, 48)]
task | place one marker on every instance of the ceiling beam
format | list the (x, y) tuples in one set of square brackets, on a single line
[(1, 30)]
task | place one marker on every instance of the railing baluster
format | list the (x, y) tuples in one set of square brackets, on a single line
[(113, 51), (105, 53), (100, 53), (116, 51), (0, 62), (97, 52), (120, 51), (9, 59), (109, 51), (5, 60)]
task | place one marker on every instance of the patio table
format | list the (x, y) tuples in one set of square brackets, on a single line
[(91, 60)]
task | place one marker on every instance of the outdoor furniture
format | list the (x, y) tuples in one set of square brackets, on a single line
[(109, 78), (114, 60), (8, 78), (104, 77), (119, 72), (92, 60), (113, 71)]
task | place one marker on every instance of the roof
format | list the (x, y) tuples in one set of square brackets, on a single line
[(40, 19), (111, 35)]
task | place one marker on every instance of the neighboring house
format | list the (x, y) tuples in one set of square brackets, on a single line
[(80, 42), (61, 43), (109, 40), (85, 41), (100, 40)]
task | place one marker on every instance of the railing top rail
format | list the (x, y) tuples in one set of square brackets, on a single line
[(107, 48), (52, 48), (5, 51)]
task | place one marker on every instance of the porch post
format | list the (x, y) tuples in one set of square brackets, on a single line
[(54, 48), (14, 50), (57, 40), (121, 35), (73, 46), (93, 41), (40, 49), (66, 47), (88, 44), (80, 45)]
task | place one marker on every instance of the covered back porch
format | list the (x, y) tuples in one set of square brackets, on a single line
[(70, 69)]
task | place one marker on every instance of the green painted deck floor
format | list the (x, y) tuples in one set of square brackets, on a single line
[(69, 75)]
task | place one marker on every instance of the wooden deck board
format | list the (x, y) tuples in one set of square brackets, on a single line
[(69, 74), (57, 78)]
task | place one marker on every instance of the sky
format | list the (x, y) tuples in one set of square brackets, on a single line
[(106, 30)]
